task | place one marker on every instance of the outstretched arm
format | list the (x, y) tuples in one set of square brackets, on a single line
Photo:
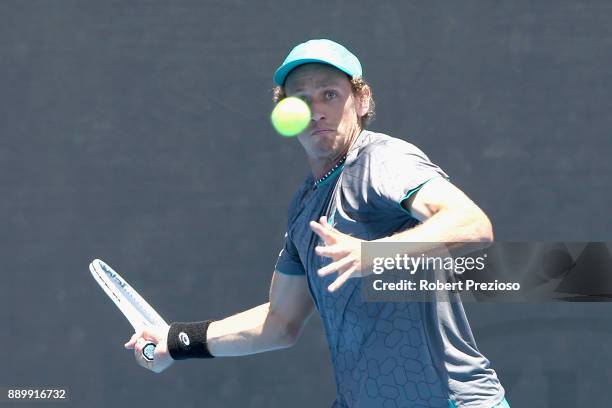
[(270, 326)]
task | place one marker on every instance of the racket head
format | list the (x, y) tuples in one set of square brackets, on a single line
[(137, 310)]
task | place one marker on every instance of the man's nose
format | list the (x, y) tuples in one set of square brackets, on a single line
[(316, 113)]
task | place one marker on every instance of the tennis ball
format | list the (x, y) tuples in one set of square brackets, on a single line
[(290, 116)]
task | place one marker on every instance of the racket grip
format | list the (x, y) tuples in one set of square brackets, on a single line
[(148, 351)]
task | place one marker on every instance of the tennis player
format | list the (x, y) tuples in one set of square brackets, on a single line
[(364, 186)]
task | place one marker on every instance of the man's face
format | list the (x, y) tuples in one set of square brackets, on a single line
[(335, 109)]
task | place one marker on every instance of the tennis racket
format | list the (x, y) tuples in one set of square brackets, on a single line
[(138, 312)]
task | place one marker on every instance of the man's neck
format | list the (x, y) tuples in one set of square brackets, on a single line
[(321, 167)]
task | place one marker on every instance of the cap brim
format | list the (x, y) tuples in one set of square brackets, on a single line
[(281, 73)]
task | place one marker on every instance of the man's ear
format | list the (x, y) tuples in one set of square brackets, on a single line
[(363, 101)]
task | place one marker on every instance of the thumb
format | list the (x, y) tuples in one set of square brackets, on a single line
[(132, 341), (329, 227)]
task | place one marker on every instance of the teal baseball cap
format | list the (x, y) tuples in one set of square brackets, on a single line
[(323, 51)]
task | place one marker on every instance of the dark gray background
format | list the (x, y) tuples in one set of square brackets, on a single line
[(138, 132)]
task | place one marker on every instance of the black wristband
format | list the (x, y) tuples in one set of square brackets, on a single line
[(188, 340)]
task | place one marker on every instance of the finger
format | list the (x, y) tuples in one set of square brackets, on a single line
[(324, 233), (140, 343), (132, 341), (342, 278), (329, 228), (338, 266), (326, 227), (138, 353), (334, 251)]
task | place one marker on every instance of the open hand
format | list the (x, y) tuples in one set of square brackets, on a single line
[(344, 250)]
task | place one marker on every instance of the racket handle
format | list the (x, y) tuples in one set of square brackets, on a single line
[(148, 351)]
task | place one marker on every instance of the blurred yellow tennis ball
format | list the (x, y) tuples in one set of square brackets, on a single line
[(290, 116)]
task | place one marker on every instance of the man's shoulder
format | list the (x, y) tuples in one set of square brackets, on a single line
[(380, 146)]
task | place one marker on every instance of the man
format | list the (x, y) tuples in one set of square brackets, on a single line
[(364, 186)]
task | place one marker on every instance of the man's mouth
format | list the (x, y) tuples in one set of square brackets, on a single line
[(321, 131)]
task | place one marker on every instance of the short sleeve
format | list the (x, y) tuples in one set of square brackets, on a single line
[(289, 261), (396, 171)]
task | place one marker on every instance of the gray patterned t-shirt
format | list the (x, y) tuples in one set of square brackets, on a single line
[(384, 354)]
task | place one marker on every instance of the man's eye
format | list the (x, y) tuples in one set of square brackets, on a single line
[(330, 94)]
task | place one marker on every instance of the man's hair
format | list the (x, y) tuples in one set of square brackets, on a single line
[(357, 85)]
